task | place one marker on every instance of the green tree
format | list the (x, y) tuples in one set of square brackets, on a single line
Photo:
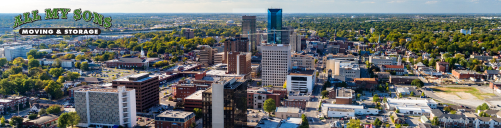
[(422, 94), (397, 111), (198, 113), (378, 122), (54, 109), (56, 72), (53, 89), (418, 83), (32, 116), (3, 61), (77, 65), (79, 57), (84, 66), (304, 123), (33, 63), (375, 98), (42, 112), (484, 106), (269, 106), (64, 120), (412, 93), (75, 119), (354, 123), (435, 121), (16, 121), (61, 79), (325, 93), (2, 121), (57, 63)]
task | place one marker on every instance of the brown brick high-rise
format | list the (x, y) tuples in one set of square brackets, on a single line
[(235, 44), (239, 62), (146, 86)]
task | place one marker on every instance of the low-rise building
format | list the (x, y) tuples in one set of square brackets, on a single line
[(288, 112), (47, 121), (403, 91), (180, 91), (342, 110), (398, 69), (301, 80), (174, 119), (442, 66), (466, 74), (411, 107), (344, 96), (382, 76), (402, 79), (128, 63), (489, 74), (256, 98), (303, 61), (366, 83), (193, 101)]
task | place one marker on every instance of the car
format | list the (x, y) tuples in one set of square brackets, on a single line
[(498, 105)]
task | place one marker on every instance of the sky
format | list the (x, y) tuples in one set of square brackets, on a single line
[(257, 6)]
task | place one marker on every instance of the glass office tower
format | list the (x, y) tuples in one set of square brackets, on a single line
[(275, 25)]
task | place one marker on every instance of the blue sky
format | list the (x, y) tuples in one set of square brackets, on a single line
[(258, 6)]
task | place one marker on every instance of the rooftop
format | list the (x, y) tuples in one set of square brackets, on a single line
[(344, 93), (341, 109), (175, 114), (288, 109), (44, 119), (393, 66), (269, 123), (291, 123), (195, 96), (302, 72), (466, 72)]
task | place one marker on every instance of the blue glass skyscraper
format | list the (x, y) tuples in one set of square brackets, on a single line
[(275, 25)]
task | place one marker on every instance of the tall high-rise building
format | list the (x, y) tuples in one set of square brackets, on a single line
[(146, 86), (295, 42), (224, 104), (275, 25), (286, 33), (248, 30), (106, 107), (276, 62), (239, 62), (234, 44)]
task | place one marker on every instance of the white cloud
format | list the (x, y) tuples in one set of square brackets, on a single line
[(431, 2), (397, 1), (367, 2)]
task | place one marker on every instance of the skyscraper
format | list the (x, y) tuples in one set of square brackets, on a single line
[(275, 25), (248, 30), (276, 62), (224, 104)]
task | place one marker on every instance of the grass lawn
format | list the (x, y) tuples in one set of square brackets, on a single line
[(473, 91)]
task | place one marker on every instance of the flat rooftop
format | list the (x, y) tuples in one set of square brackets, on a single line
[(344, 93), (195, 96), (288, 109), (466, 72), (269, 123), (175, 114), (103, 90), (136, 77), (302, 72)]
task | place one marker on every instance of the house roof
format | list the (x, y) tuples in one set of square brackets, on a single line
[(491, 112), (453, 116), (128, 60)]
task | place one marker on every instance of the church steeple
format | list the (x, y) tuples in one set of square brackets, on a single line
[(142, 51)]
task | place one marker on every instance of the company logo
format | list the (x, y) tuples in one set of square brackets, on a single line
[(78, 14)]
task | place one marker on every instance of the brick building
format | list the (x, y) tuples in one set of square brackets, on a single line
[(398, 69), (300, 103), (332, 92), (366, 83), (442, 66), (46, 121), (402, 79), (466, 74), (146, 86), (193, 101), (174, 119), (180, 91), (344, 96), (234, 44), (256, 98), (239, 63)]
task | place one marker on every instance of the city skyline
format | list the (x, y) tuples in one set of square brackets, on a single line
[(260, 6)]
